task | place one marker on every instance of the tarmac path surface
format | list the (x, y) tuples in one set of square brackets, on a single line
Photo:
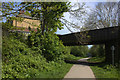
[(80, 71)]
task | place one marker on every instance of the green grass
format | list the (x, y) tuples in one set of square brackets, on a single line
[(96, 59), (72, 57), (103, 70), (58, 71)]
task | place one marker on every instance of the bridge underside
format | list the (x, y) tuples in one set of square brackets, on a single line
[(108, 36), (98, 36)]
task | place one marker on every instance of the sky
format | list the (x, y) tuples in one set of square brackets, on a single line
[(91, 5)]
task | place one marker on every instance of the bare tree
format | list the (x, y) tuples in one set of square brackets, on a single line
[(104, 15), (77, 11)]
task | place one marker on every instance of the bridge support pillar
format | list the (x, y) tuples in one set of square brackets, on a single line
[(108, 52)]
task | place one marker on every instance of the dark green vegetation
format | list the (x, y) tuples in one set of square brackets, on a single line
[(48, 45), (97, 51), (81, 51), (30, 59), (103, 70), (20, 61), (71, 57), (41, 54), (76, 52), (96, 59)]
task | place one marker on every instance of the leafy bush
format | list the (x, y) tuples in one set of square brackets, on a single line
[(97, 50), (48, 43), (72, 57), (80, 51), (42, 56), (105, 71), (19, 60)]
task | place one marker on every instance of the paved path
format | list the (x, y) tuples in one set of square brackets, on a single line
[(80, 71)]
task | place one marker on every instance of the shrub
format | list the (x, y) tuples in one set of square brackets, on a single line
[(29, 61), (97, 50), (81, 51), (48, 43), (18, 60)]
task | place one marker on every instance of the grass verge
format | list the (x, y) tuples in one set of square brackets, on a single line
[(58, 71), (96, 59), (103, 71), (71, 57)]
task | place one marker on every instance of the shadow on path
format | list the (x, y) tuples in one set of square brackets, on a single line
[(83, 62), (80, 69)]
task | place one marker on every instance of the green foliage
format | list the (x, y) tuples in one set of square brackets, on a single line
[(105, 71), (44, 58), (94, 51), (19, 61), (80, 51), (72, 57), (55, 70), (48, 43), (97, 50), (7, 26), (48, 12), (68, 56), (96, 59)]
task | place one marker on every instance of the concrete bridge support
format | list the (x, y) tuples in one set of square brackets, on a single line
[(108, 54), (112, 56)]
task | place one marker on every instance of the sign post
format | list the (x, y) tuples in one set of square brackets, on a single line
[(112, 48)]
